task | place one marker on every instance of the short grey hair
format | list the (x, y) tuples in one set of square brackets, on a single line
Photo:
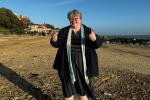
[(74, 13)]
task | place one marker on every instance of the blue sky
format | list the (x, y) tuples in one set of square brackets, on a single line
[(105, 17)]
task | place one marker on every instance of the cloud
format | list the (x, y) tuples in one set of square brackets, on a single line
[(62, 3)]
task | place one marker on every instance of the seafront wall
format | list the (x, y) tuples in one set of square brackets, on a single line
[(125, 41)]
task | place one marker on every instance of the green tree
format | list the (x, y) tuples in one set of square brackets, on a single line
[(10, 21), (57, 28), (52, 27), (11, 31), (19, 31), (48, 25)]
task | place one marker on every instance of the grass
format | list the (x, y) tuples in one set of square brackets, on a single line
[(4, 30)]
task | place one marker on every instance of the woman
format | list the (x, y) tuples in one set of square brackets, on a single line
[(76, 59)]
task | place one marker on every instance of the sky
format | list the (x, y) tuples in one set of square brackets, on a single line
[(105, 17)]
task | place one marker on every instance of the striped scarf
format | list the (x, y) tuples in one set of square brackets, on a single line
[(83, 54)]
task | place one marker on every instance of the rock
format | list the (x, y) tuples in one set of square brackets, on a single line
[(107, 78), (19, 98), (3, 87), (20, 66), (29, 96), (107, 94), (97, 98)]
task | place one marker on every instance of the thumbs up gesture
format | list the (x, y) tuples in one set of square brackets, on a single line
[(54, 38), (92, 36)]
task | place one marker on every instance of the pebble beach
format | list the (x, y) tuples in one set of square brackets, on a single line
[(26, 71)]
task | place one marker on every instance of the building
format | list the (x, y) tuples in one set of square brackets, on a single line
[(39, 28), (24, 16), (25, 19), (18, 16)]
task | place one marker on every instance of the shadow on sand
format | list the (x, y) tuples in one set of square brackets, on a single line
[(22, 83)]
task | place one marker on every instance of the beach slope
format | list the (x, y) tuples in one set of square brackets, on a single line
[(26, 71)]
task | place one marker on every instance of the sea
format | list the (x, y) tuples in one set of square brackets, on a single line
[(144, 37)]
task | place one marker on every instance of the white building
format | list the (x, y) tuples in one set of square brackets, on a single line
[(39, 28)]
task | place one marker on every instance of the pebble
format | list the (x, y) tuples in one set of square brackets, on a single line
[(108, 94), (20, 66), (29, 96), (98, 98)]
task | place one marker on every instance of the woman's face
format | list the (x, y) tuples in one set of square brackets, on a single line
[(75, 22)]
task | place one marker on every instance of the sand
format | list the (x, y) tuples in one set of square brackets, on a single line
[(26, 71)]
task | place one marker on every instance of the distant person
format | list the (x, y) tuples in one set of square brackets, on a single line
[(76, 59)]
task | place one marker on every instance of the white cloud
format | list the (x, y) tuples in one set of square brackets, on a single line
[(62, 3)]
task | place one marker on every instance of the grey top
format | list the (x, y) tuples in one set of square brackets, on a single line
[(76, 42)]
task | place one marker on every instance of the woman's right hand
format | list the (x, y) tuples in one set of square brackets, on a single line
[(54, 38)]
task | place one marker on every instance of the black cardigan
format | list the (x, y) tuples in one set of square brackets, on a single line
[(90, 53)]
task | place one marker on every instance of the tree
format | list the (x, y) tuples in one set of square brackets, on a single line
[(11, 31), (48, 25), (57, 28), (52, 27), (10, 21), (19, 31)]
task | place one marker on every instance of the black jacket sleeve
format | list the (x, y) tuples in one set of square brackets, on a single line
[(93, 44), (97, 43)]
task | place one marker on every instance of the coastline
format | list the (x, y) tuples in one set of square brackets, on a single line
[(144, 37)]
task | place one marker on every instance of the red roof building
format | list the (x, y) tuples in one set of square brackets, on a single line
[(39, 28), (24, 20)]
